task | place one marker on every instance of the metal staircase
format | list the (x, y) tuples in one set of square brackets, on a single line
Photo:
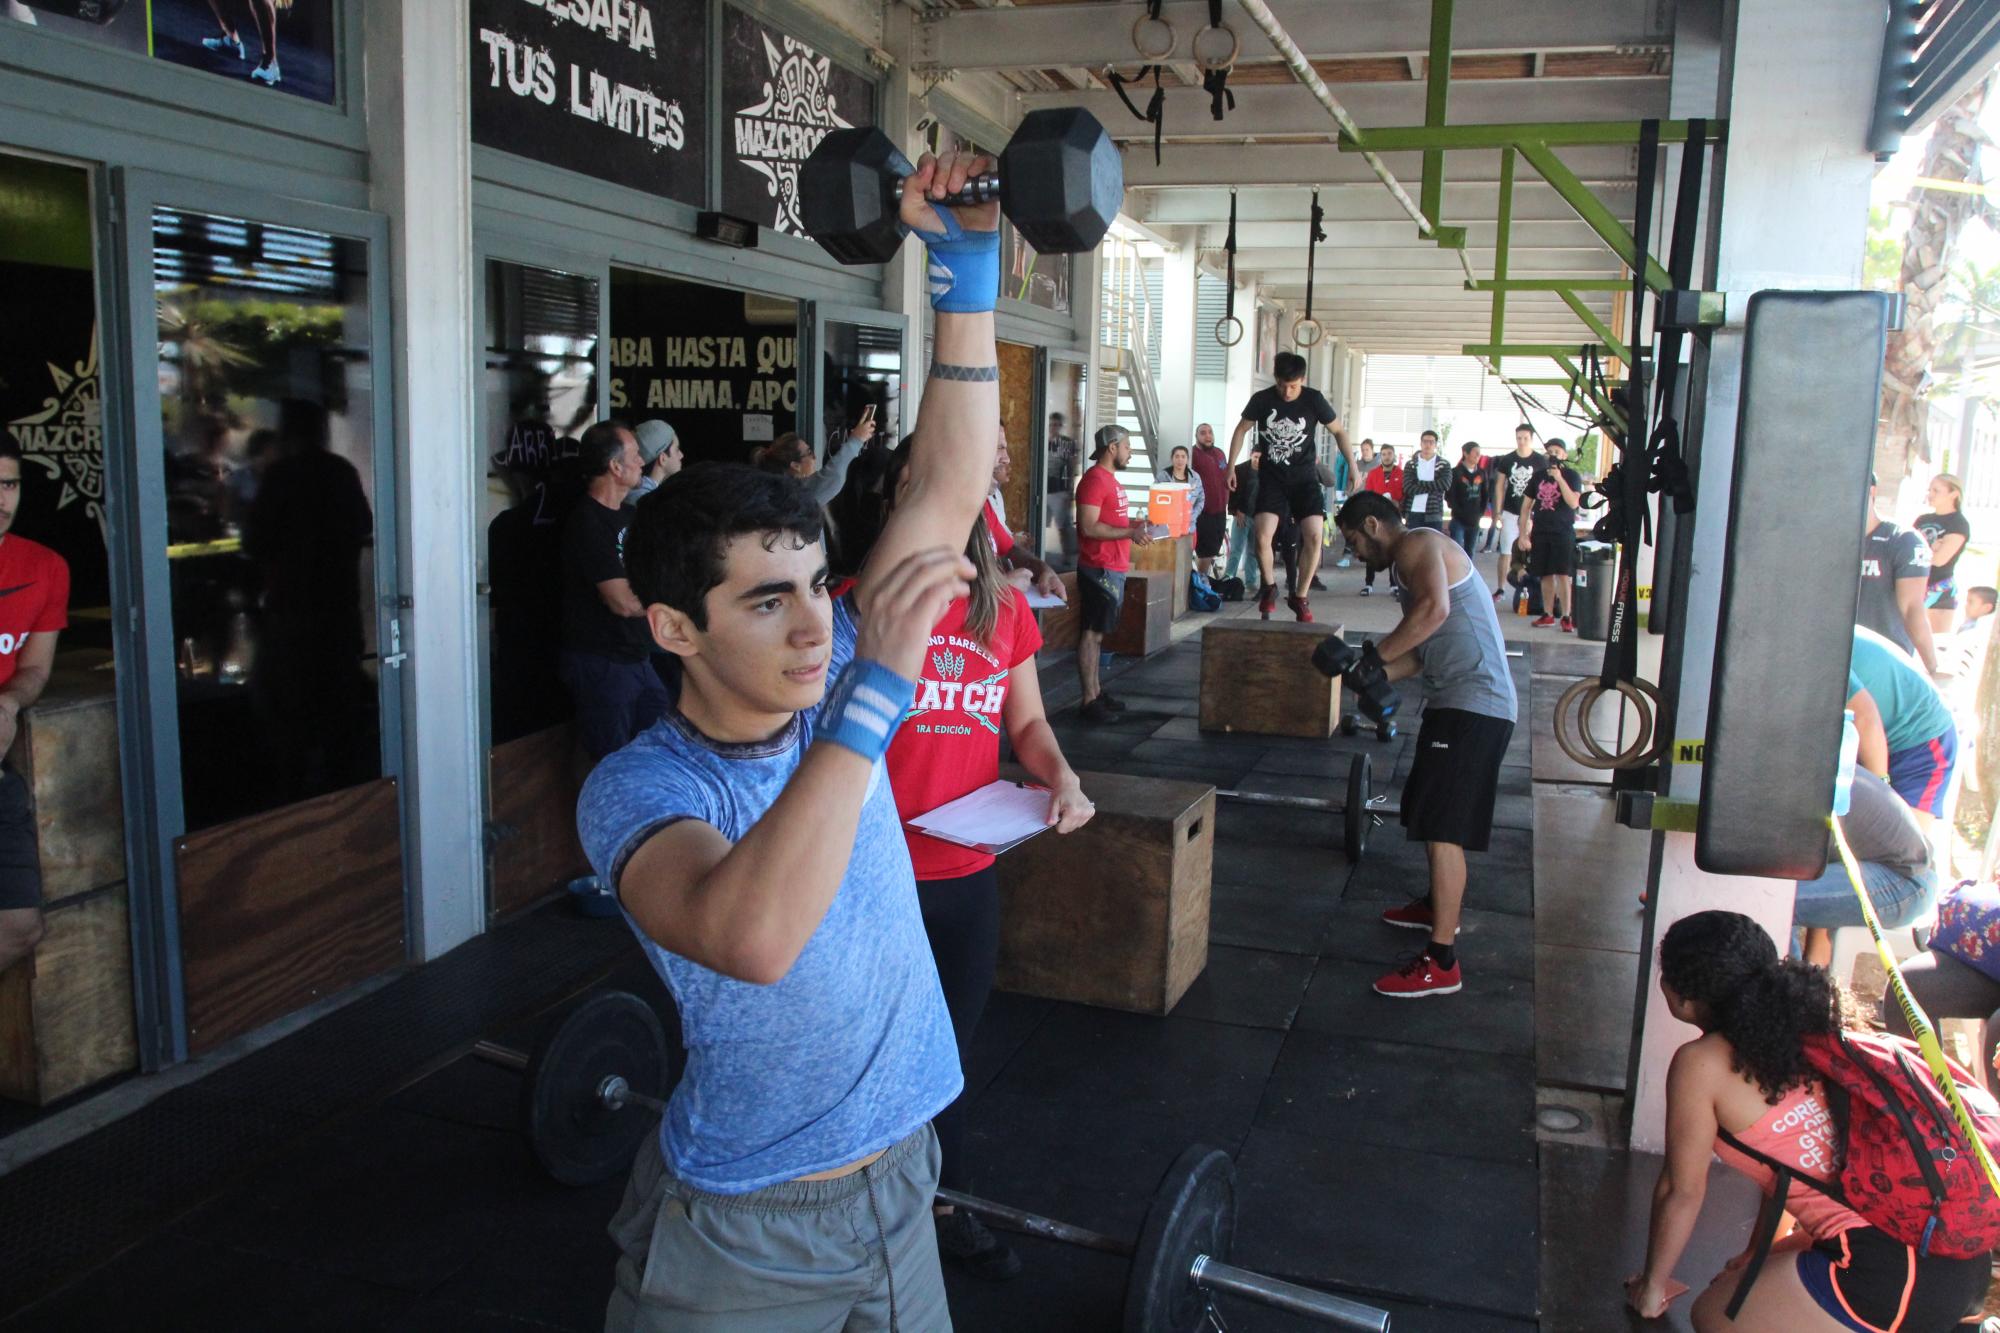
[(1126, 391)]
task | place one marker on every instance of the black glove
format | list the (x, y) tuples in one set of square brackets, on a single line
[(1335, 656), (1363, 671)]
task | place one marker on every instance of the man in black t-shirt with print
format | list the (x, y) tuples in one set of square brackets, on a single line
[(1895, 577), (1288, 486), (1512, 475), (1548, 534), (607, 646)]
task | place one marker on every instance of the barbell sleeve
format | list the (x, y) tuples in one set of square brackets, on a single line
[(1214, 1275)]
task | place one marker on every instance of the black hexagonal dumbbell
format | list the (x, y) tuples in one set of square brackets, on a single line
[(1060, 183)]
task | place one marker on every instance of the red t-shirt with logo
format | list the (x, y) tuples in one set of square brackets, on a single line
[(949, 743), (34, 597), (1100, 487)]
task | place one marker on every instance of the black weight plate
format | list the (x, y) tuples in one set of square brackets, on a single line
[(1360, 790), (1349, 724), (1193, 1213), (577, 1139)]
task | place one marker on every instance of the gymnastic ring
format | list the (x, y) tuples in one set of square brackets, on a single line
[(1154, 57), (1583, 733), (1584, 694), (1208, 66), (1586, 691), (1236, 335), (1303, 322), (1659, 745)]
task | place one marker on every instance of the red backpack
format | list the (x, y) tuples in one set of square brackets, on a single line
[(1905, 1165)]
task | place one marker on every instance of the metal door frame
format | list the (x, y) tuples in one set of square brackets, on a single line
[(814, 316)]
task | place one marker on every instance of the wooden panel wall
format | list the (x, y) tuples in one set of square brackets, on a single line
[(1017, 413), (534, 811), (284, 908)]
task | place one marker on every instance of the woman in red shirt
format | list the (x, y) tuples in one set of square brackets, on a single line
[(1746, 1076), (978, 678)]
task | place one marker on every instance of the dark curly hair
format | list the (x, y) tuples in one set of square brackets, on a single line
[(1761, 1004), (677, 544)]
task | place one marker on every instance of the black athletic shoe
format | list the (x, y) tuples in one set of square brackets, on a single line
[(964, 1239), (1095, 712), (1115, 705)]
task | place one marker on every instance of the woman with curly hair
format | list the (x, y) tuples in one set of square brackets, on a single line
[(1745, 1081)]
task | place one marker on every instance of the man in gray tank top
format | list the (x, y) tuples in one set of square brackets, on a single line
[(1449, 637)]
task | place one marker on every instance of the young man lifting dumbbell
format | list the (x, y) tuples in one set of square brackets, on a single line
[(753, 841), (1449, 637)]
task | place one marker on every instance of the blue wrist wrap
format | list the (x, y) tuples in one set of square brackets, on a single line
[(963, 267), (867, 703)]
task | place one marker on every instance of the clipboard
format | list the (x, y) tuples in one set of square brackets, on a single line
[(993, 819)]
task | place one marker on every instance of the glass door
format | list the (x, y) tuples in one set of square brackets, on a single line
[(1063, 458), (856, 364), (263, 502)]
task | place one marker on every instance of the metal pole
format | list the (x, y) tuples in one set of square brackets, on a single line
[(1502, 239), (1437, 91), (506, 1056), (1213, 1275), (1034, 1224)]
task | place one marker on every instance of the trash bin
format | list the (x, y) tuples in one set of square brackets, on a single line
[(1596, 577)]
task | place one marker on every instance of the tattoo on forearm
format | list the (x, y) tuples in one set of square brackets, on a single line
[(973, 374)]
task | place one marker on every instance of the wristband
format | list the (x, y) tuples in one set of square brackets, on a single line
[(963, 268), (864, 709)]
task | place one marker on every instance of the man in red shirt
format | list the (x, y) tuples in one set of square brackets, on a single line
[(1385, 479), (34, 607), (1104, 554), (1211, 525)]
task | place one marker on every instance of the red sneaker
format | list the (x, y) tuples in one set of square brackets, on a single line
[(1300, 609), (1544, 622), (1267, 600), (1568, 625), (1412, 915), (1419, 979)]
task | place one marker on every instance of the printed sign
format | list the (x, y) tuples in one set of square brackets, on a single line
[(781, 97), (616, 89), (1690, 752)]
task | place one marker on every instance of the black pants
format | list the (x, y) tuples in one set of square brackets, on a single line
[(962, 918)]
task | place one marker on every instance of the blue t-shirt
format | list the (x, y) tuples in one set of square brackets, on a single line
[(1913, 713), (852, 1050)]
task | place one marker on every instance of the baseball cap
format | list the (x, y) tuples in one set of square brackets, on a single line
[(655, 438), (1106, 437)]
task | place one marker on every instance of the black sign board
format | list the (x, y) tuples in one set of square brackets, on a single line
[(613, 88), (779, 99)]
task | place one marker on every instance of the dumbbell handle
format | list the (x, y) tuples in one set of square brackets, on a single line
[(978, 190)]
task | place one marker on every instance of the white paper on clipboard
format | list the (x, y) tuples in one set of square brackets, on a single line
[(998, 816), (1042, 602)]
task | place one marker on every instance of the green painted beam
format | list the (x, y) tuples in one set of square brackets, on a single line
[(1437, 92), (1503, 236), (1499, 284), (1555, 134), (1592, 211), (1596, 325)]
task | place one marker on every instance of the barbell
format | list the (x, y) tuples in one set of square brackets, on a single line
[(1180, 1262), (1360, 812), (590, 1096), (1060, 182)]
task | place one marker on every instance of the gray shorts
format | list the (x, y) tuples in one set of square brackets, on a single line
[(805, 1255)]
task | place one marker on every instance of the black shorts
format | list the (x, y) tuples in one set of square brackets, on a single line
[(1455, 777), (1210, 531), (1878, 1280), (1553, 552), (20, 857), (1291, 494), (1100, 594)]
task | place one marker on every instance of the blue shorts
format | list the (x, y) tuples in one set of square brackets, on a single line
[(1922, 774)]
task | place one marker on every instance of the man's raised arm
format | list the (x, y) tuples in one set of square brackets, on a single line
[(951, 461)]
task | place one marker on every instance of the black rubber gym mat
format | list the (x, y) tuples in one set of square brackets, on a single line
[(1583, 1023), (1273, 914), (1430, 1228), (74, 1208), (1502, 943), (1501, 880), (1494, 1013), (1393, 1095), (1004, 1027), (1258, 988)]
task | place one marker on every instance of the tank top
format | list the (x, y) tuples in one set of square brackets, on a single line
[(1465, 662), (1799, 1132)]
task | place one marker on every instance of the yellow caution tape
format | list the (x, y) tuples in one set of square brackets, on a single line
[(1920, 1026), (1690, 752)]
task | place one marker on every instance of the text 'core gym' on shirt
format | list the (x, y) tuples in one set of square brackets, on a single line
[(34, 597), (1285, 430), (852, 1050)]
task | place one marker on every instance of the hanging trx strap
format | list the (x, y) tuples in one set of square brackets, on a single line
[(1667, 471), (1229, 287), (1313, 238), (1214, 82), (1156, 108), (1628, 494)]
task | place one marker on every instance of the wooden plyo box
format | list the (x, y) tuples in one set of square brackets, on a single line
[(1173, 558), (1116, 913), (1257, 676), (1059, 623), (1145, 619)]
